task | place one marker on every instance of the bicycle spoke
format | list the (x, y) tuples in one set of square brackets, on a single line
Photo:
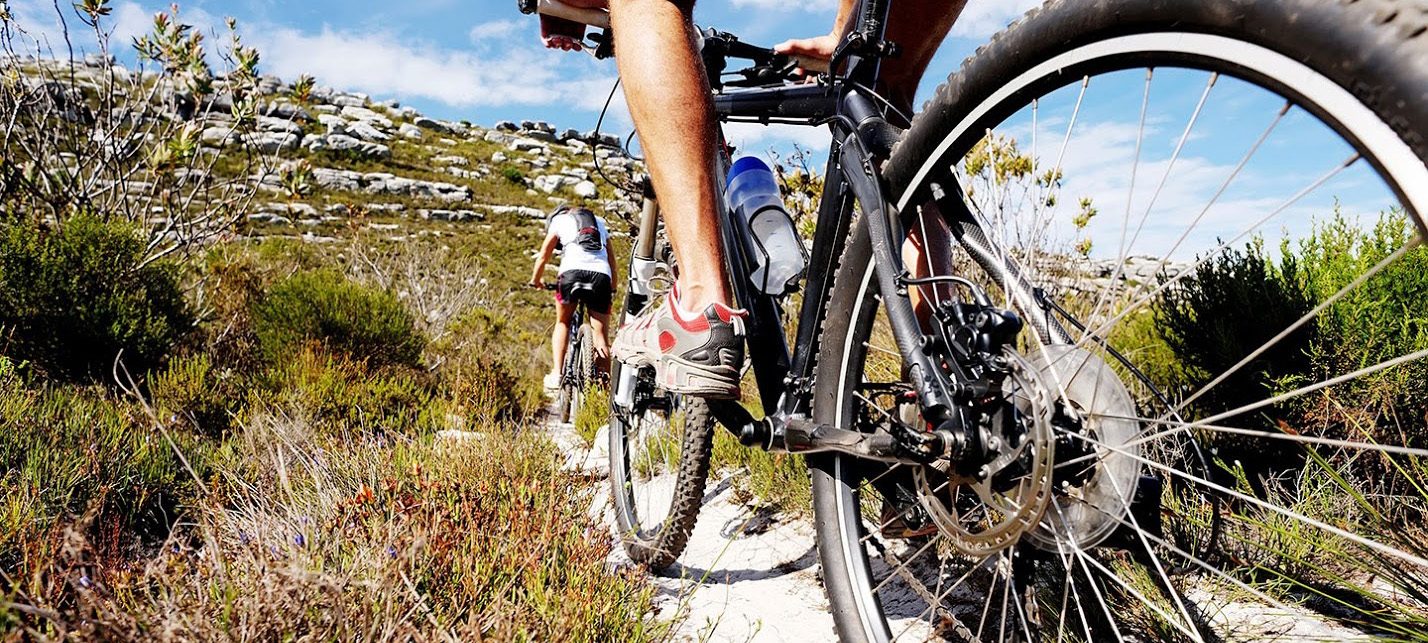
[(1284, 511), (1184, 274), (1309, 316)]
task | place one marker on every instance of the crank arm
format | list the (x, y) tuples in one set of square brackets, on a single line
[(798, 434)]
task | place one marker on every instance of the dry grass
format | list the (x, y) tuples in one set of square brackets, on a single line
[(362, 538)]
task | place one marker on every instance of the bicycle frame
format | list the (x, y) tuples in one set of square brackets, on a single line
[(862, 139)]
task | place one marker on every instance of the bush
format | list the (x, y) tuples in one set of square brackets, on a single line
[(74, 297), (1384, 318), (194, 390), (1205, 322), (322, 306), (67, 451), (338, 393)]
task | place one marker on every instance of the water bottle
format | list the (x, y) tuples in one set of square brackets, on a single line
[(753, 194)]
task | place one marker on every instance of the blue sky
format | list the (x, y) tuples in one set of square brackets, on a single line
[(482, 62)]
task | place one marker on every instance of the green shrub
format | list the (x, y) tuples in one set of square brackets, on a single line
[(74, 298), (67, 451), (338, 393), (322, 306), (1384, 318), (194, 390), (1235, 303)]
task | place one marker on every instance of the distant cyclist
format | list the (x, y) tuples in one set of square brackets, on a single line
[(586, 276)]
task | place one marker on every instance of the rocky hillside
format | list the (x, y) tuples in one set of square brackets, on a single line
[(320, 160)]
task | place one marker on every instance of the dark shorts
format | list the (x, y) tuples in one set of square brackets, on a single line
[(585, 287)]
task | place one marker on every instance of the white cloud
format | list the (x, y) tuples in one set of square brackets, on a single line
[(751, 138), (982, 18), (508, 72), (500, 29)]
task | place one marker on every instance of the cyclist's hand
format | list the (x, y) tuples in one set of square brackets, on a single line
[(817, 47), (565, 35)]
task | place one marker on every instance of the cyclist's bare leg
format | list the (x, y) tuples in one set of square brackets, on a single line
[(670, 104), (598, 323), (561, 334)]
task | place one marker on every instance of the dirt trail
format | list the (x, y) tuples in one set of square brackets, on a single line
[(751, 575)]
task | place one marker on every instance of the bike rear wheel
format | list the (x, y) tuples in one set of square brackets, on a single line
[(1160, 324)]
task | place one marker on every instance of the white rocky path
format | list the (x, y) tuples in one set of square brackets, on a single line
[(752, 575), (747, 574)]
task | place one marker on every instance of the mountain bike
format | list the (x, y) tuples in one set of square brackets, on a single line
[(580, 369), (1156, 369)]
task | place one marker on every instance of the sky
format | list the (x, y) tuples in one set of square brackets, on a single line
[(479, 60), (482, 61)]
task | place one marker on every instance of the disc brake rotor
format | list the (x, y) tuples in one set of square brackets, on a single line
[(1092, 500), (981, 516)]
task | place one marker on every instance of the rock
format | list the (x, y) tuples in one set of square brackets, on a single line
[(296, 209), (500, 138), (271, 124), (273, 142), (507, 126), (365, 131), (453, 127), (286, 111), (332, 179), (586, 189), (386, 207), (347, 100), (527, 145), (334, 124), (569, 134), (450, 160), (407, 130), (577, 146), (408, 113), (367, 115), (498, 157), (543, 136), (337, 208), (344, 143), (325, 109), (99, 60), (390, 103), (549, 183), (577, 173), (218, 136), (433, 125), (533, 213)]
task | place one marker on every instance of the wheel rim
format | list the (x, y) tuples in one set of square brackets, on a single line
[(1104, 587), (650, 440)]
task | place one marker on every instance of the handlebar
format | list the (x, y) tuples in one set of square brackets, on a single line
[(597, 18), (600, 19)]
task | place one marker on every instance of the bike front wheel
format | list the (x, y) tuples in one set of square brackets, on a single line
[(1210, 215)]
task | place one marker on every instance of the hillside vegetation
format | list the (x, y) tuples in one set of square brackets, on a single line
[(265, 365)]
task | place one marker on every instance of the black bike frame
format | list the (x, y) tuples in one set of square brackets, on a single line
[(862, 139)]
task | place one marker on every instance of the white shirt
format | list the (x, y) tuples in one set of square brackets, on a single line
[(572, 255)]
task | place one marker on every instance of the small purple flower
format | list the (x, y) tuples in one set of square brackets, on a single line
[(391, 551), (244, 538), (304, 520), (85, 582), (301, 542)]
